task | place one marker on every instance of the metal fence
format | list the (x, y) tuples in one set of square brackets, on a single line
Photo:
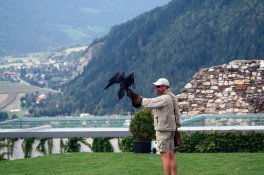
[(108, 126), (223, 120), (68, 122)]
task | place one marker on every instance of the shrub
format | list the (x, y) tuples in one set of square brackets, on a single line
[(142, 126), (102, 144), (27, 146), (212, 142), (126, 144), (73, 144)]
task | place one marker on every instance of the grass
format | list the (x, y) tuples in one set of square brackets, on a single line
[(10, 87), (18, 113), (136, 164), (23, 59), (19, 61), (15, 91), (74, 49)]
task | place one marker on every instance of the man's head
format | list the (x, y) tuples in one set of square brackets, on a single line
[(161, 84)]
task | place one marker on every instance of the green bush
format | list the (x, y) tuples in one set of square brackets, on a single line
[(126, 144), (27, 146), (2, 145), (73, 144), (142, 125), (212, 142), (41, 146), (102, 144)]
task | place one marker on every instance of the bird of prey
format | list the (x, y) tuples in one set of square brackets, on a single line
[(125, 82)]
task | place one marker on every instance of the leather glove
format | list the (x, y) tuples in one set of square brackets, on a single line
[(134, 97)]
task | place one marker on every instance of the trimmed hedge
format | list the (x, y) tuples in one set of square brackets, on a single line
[(212, 142)]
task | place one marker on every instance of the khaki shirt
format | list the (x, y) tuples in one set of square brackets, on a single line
[(163, 110)]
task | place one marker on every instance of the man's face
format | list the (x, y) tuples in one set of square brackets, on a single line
[(160, 89)]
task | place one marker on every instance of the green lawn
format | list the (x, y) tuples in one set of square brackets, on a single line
[(131, 164)]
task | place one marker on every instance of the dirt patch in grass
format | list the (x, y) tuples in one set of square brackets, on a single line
[(14, 104), (3, 97)]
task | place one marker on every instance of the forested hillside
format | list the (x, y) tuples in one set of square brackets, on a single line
[(173, 41), (41, 25)]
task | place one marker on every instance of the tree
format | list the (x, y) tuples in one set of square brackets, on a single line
[(3, 116)]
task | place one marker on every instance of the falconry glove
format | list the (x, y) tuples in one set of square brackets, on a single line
[(134, 97)]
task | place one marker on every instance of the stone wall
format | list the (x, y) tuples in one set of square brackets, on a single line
[(237, 87)]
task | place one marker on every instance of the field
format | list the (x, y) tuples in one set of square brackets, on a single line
[(19, 61), (136, 164), (74, 49), (10, 94)]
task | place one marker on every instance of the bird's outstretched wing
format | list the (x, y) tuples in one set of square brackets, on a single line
[(129, 80), (117, 78), (121, 92), (125, 82)]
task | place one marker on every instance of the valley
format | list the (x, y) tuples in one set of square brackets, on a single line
[(14, 84)]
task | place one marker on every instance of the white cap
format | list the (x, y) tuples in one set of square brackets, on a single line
[(162, 81)]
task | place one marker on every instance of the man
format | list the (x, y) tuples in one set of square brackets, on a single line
[(166, 119)]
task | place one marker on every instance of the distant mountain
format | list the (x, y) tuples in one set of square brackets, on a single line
[(40, 25), (173, 41)]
